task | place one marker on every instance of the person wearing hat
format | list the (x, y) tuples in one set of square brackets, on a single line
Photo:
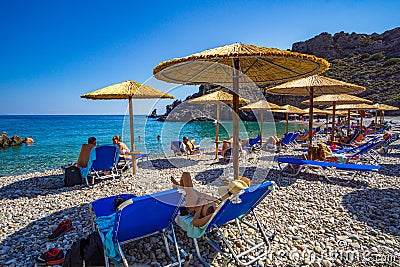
[(202, 206)]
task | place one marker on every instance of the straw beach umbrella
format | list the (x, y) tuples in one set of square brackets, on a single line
[(216, 98), (315, 85), (127, 90), (337, 99), (239, 63), (350, 107), (316, 111), (289, 109), (261, 105), (383, 107)]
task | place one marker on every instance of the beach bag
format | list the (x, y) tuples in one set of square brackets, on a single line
[(73, 257), (72, 176), (85, 252), (93, 253)]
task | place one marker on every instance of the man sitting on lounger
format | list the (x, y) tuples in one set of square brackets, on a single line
[(84, 155), (200, 205)]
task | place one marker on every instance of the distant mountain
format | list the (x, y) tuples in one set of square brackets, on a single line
[(371, 60)]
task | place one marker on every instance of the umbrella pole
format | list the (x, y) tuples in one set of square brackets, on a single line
[(217, 131), (310, 122), (235, 122), (376, 119), (287, 122), (333, 121), (261, 126), (348, 122), (132, 136), (326, 125), (361, 120)]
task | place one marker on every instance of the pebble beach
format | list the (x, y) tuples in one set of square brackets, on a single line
[(316, 221)]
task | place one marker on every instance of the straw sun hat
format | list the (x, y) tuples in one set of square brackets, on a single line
[(234, 187)]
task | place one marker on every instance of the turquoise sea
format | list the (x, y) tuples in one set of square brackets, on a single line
[(58, 137)]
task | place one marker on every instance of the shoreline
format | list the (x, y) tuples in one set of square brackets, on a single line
[(309, 214)]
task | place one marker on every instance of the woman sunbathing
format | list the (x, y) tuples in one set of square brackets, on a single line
[(200, 205), (188, 146)]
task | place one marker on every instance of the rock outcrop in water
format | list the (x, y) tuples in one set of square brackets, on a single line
[(6, 141)]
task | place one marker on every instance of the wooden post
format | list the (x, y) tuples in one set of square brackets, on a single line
[(310, 121), (132, 135), (261, 126), (217, 131), (361, 119), (348, 122), (333, 121), (326, 125), (287, 122), (235, 118)]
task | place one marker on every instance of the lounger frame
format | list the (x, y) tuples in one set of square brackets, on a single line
[(261, 248), (331, 170), (168, 233), (112, 169)]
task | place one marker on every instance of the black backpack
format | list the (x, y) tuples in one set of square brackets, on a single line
[(72, 176), (88, 250), (74, 255)]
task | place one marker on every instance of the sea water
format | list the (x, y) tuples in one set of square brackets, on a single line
[(58, 138)]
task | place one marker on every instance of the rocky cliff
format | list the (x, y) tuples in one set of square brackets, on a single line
[(341, 45), (371, 60)]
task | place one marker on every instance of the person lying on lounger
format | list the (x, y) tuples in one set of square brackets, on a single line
[(227, 146), (188, 146), (200, 205)]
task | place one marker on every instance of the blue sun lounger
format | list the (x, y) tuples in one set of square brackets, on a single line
[(136, 218), (367, 153), (253, 144), (236, 209), (294, 166), (286, 139), (105, 160), (292, 140)]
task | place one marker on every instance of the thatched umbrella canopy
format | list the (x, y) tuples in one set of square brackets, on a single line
[(288, 109), (127, 90), (315, 85), (261, 105), (315, 111), (337, 99), (239, 63), (216, 98), (349, 107), (381, 108)]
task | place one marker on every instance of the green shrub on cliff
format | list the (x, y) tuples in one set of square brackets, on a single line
[(378, 56), (392, 61)]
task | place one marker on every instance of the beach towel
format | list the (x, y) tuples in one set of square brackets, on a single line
[(105, 224), (185, 222)]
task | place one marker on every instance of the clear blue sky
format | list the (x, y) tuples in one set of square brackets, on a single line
[(53, 51)]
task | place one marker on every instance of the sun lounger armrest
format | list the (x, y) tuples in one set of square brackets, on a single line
[(125, 204)]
